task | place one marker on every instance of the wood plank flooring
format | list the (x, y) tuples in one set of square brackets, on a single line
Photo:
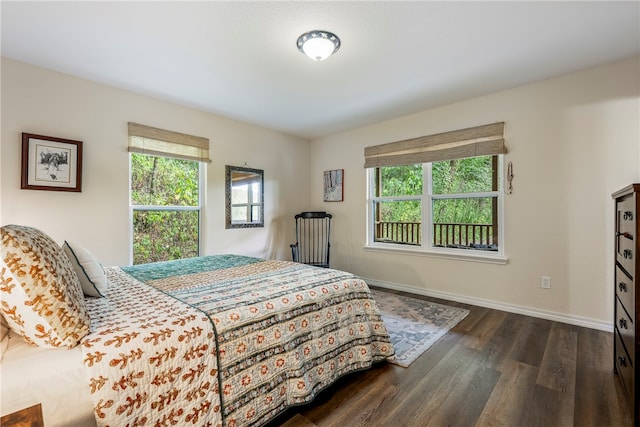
[(493, 369)]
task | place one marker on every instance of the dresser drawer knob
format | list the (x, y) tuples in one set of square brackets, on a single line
[(627, 254), (622, 361), (628, 215), (622, 286), (622, 323)]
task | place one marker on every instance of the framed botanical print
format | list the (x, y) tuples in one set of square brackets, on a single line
[(50, 163)]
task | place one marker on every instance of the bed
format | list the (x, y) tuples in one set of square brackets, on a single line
[(222, 340)]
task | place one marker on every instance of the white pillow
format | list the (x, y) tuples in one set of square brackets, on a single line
[(89, 270)]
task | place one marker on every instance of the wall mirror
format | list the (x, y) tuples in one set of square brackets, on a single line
[(244, 194)]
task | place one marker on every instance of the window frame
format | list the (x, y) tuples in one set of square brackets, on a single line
[(426, 248), (172, 208), (249, 205)]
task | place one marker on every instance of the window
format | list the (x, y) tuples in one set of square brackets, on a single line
[(446, 206), (166, 195), (397, 204)]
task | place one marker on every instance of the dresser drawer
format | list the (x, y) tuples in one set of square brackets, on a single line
[(625, 326), (625, 291), (625, 254), (626, 331), (624, 366), (626, 213)]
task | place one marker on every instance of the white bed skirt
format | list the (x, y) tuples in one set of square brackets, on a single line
[(55, 378)]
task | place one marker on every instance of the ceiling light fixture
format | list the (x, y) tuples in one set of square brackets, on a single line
[(318, 45)]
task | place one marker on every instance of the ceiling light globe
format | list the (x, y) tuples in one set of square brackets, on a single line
[(318, 49), (318, 45)]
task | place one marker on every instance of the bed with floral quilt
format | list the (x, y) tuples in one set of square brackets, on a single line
[(222, 340)]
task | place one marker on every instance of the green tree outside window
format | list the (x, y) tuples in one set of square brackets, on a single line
[(165, 196)]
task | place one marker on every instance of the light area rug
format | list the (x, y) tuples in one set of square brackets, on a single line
[(414, 325)]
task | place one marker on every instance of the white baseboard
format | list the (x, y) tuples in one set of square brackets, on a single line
[(511, 308)]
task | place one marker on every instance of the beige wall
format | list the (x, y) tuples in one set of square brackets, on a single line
[(573, 141), (39, 101)]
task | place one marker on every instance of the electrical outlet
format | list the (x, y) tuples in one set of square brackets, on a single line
[(545, 282)]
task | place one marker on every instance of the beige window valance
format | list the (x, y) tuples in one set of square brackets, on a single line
[(159, 142), (476, 141)]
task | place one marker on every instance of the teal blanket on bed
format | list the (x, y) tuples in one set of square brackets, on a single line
[(180, 267)]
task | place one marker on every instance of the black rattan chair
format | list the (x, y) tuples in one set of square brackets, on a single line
[(312, 239)]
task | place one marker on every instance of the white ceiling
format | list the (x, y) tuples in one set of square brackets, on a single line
[(239, 59)]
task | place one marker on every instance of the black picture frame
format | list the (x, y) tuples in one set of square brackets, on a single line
[(50, 163)]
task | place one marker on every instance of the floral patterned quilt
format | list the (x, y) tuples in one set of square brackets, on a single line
[(225, 340)]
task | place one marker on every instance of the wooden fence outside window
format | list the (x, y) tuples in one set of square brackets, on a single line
[(473, 236)]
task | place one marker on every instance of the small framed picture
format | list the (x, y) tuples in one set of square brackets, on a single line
[(333, 185), (50, 163)]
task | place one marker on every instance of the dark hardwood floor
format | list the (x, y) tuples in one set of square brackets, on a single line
[(493, 369)]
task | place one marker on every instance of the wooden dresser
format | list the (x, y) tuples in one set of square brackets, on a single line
[(627, 293)]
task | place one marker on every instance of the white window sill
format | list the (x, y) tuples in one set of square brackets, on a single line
[(454, 254)]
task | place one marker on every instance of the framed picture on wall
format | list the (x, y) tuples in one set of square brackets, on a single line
[(333, 185), (50, 163)]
